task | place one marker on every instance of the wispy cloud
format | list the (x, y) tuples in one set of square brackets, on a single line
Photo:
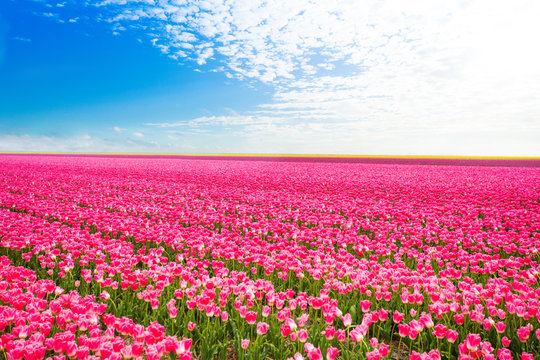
[(138, 135), (273, 41), (417, 69), (216, 120), (80, 143), (117, 129), (23, 39)]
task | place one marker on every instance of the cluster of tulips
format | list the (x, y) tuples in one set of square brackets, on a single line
[(148, 258), (37, 317)]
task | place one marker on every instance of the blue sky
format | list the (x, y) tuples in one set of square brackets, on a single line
[(242, 76)]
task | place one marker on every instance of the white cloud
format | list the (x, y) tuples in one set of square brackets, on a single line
[(288, 131), (80, 143), (23, 39), (50, 15), (216, 120), (86, 143), (415, 69), (138, 135), (118, 129)]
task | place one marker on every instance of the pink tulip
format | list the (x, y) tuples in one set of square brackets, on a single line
[(262, 328), (251, 317), (504, 354), (347, 320), (500, 327), (331, 353), (315, 354), (397, 316), (329, 332), (373, 355), (302, 335), (245, 343), (440, 331), (224, 316), (403, 330), (266, 310), (383, 349), (452, 336), (285, 330), (473, 341), (383, 314), (523, 333), (365, 305)]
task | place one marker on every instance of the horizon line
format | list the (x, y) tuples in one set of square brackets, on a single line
[(345, 156)]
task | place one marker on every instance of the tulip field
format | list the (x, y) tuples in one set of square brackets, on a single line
[(105, 257)]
